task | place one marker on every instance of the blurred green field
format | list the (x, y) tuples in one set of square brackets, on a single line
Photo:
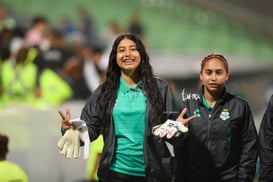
[(171, 25)]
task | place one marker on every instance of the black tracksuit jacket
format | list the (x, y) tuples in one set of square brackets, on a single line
[(222, 147), (159, 164)]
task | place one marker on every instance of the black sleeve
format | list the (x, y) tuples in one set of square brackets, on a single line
[(91, 114), (249, 148), (266, 144)]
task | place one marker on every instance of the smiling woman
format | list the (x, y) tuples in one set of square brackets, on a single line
[(128, 59), (124, 109)]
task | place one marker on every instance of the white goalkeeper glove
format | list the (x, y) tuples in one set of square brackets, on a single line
[(69, 144), (169, 129)]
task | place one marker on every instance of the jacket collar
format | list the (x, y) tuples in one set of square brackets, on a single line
[(223, 97)]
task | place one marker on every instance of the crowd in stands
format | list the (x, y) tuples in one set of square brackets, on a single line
[(43, 65)]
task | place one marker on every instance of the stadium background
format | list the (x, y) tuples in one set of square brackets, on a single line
[(179, 34)]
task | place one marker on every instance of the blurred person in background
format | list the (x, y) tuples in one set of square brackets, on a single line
[(92, 75), (35, 34), (9, 171), (124, 108), (222, 142), (110, 32), (54, 53), (266, 144), (136, 26), (18, 78), (108, 35), (22, 82), (6, 36), (73, 69), (91, 66), (10, 42), (87, 25), (66, 63), (67, 26), (72, 73)]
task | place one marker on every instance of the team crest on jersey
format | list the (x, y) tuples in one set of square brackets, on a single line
[(225, 114), (197, 113)]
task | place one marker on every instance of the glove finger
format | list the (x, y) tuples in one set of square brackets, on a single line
[(184, 129), (163, 132), (171, 132), (77, 145), (70, 151), (65, 148), (60, 143), (169, 135), (77, 150), (156, 130)]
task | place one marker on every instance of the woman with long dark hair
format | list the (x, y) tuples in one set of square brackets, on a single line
[(124, 109)]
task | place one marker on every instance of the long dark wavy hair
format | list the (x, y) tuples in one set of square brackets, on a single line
[(111, 81)]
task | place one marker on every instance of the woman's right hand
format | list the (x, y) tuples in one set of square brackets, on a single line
[(66, 123), (187, 120)]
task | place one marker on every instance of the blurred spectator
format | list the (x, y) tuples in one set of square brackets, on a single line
[(67, 26), (54, 53), (109, 34), (35, 34), (18, 84), (9, 171), (5, 39), (16, 42), (23, 83), (54, 89), (135, 25), (10, 42), (50, 60), (87, 25), (72, 73), (6, 21), (91, 71), (9, 45), (72, 70)]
